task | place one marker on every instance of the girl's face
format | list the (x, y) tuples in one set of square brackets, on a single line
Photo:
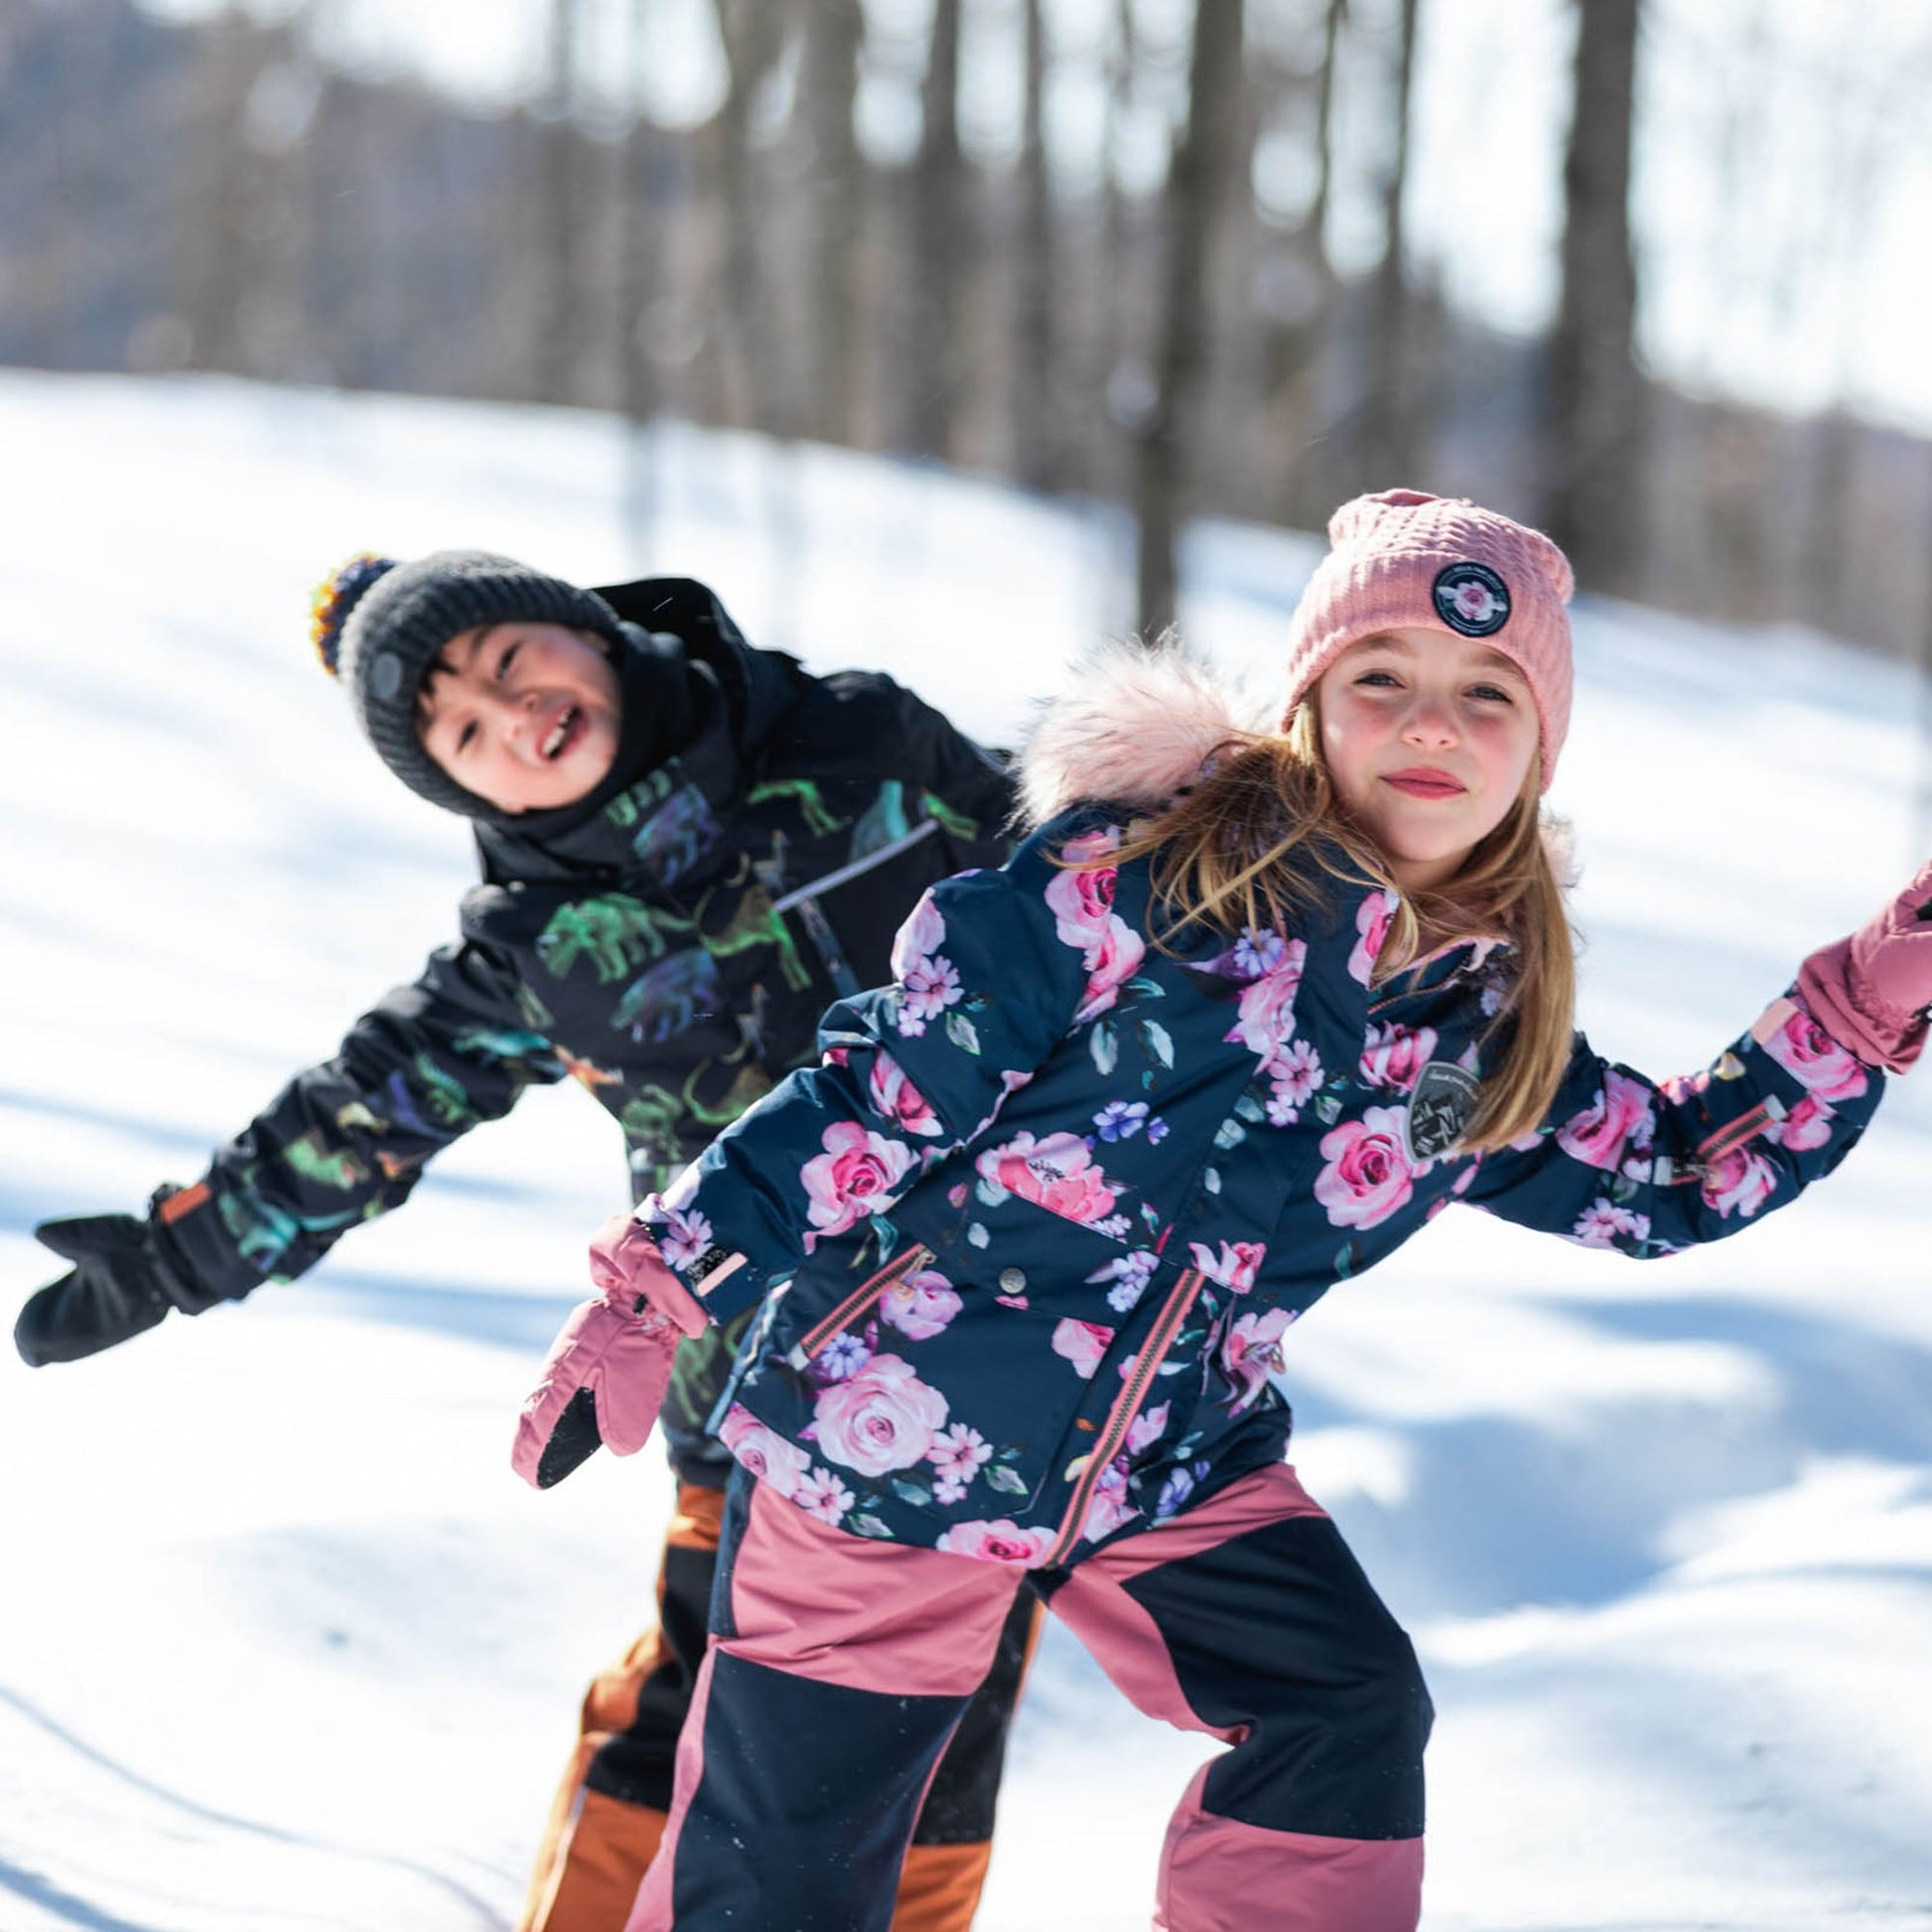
[(1429, 740), (523, 714)]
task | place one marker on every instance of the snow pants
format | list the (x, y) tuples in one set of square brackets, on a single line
[(608, 1815), (840, 1667)]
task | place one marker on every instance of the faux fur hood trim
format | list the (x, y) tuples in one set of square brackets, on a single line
[(1136, 727)]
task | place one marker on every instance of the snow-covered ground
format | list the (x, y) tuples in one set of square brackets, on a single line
[(282, 1642)]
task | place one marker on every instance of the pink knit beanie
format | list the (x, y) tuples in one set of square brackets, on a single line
[(1402, 560)]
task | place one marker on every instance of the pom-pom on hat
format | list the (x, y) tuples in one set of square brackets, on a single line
[(377, 627), (1403, 560)]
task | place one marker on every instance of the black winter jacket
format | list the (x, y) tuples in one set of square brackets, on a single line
[(673, 952)]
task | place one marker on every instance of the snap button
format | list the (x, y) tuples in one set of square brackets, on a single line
[(1012, 1280)]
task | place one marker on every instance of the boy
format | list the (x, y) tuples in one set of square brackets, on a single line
[(689, 848)]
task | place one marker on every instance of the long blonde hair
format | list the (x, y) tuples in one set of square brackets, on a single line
[(1257, 840)]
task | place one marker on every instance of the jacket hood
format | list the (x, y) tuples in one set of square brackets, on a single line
[(1136, 727)]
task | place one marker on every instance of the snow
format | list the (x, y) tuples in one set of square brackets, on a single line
[(282, 1642)]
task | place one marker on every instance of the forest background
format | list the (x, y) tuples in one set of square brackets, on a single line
[(1644, 271)]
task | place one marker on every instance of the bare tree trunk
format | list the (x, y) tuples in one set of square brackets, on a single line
[(1195, 193), (1113, 375), (835, 31), (559, 309), (637, 372), (1390, 403), (215, 219), (941, 250), (1036, 421), (753, 36), (1596, 401)]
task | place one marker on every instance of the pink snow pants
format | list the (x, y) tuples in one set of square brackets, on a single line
[(839, 1666)]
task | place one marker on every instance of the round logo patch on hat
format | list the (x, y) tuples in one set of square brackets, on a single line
[(1471, 599)]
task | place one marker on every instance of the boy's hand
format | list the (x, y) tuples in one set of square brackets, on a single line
[(608, 1369), (1870, 990), (125, 1279)]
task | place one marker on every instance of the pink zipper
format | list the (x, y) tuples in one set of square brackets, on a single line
[(1127, 1406), (856, 1302)]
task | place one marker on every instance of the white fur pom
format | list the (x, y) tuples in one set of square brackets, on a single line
[(1136, 728)]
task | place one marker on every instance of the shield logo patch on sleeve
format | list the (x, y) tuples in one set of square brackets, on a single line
[(1440, 1109)]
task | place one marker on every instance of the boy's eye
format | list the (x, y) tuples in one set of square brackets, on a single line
[(466, 737), (503, 663)]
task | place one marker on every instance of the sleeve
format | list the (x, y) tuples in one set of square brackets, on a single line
[(969, 790), (346, 1141), (1653, 1168), (989, 974)]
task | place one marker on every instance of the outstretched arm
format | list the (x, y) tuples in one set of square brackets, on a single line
[(343, 1143)]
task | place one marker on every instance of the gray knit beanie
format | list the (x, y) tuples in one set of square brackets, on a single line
[(379, 625)]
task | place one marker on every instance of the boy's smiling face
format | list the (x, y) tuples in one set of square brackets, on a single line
[(523, 714)]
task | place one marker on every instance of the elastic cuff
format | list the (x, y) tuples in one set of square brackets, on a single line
[(197, 1265)]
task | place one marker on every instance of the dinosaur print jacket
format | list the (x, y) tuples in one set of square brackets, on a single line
[(673, 952), (1048, 1208)]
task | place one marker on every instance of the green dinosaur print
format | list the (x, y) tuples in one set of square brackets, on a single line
[(447, 1099), (614, 933), (533, 1013), (957, 823), (628, 808), (752, 1083), (653, 1117), (884, 821), (493, 1043), (313, 1161), (820, 820), (756, 921), (263, 1233), (357, 1117)]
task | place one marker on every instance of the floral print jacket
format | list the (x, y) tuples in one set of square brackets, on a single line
[(1055, 1196)]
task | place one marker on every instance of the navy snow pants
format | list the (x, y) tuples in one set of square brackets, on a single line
[(840, 1666)]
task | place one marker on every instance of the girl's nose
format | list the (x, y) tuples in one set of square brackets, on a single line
[(1430, 721)]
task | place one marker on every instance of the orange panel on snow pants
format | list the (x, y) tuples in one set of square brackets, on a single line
[(596, 1847)]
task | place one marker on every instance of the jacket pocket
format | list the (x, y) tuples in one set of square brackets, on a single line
[(855, 1307)]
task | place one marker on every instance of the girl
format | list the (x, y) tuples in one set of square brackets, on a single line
[(1245, 1011)]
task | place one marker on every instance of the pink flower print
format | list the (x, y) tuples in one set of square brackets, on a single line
[(1296, 1072), (1147, 1429), (1392, 1056), (898, 1100), (921, 1307), (1809, 1054), (682, 1236), (1621, 1115), (927, 983), (958, 1456), (764, 1452), (1235, 1266), (1108, 1508), (1251, 1351), (1056, 1173), (882, 1418), (1082, 1343), (1266, 1023), (1368, 1176), (1081, 903), (1091, 844), (857, 1176), (823, 1495), (1807, 1126), (1740, 1183), (1603, 1224), (1372, 921), (1001, 1541)]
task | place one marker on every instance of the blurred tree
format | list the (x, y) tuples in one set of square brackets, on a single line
[(1393, 402), (1596, 411), (834, 44), (1038, 454), (559, 308), (942, 255), (1195, 195), (639, 241)]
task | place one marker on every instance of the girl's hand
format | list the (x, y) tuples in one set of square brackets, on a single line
[(607, 1373), (1870, 990)]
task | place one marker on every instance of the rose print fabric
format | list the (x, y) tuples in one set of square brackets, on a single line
[(1048, 1210)]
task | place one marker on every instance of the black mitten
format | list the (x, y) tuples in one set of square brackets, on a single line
[(127, 1275)]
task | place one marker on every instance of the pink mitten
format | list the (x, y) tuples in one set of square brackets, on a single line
[(1870, 990), (604, 1378)]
